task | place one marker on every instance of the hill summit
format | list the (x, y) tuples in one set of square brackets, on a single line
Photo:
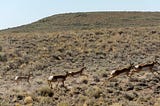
[(91, 20)]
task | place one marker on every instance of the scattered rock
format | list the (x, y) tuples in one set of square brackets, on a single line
[(28, 100), (96, 79), (104, 75), (128, 87), (116, 104), (157, 102), (93, 83), (129, 96), (153, 32), (17, 104), (20, 97), (85, 81), (142, 84), (3, 57), (109, 90), (157, 90)]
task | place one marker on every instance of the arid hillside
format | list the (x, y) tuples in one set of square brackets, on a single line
[(101, 49), (90, 20)]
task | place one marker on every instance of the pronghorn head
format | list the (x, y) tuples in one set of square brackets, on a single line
[(67, 73), (30, 75), (131, 65), (84, 68)]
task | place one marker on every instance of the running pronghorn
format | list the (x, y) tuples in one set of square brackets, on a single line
[(78, 73), (117, 72), (58, 78), (144, 67), (20, 78)]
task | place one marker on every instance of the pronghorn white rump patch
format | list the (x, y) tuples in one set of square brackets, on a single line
[(69, 72), (16, 77), (113, 72), (137, 66), (50, 77)]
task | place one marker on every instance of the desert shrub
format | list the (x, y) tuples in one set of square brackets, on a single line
[(129, 96), (116, 104), (20, 97), (3, 57), (45, 91), (13, 65), (45, 101), (63, 104), (99, 33), (157, 102), (28, 100), (94, 92), (0, 48), (143, 99), (17, 104), (4, 103), (82, 98)]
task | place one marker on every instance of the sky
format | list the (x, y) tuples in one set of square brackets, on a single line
[(19, 12)]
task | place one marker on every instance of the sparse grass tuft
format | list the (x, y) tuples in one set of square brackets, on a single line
[(45, 91), (94, 92), (63, 104)]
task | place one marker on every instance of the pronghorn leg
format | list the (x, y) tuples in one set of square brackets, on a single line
[(49, 84), (151, 69), (28, 82), (129, 76), (157, 72), (57, 85), (131, 73), (17, 82), (105, 82), (110, 77), (63, 83), (153, 73)]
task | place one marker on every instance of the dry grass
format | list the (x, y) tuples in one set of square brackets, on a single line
[(102, 50)]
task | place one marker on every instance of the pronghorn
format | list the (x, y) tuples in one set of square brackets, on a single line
[(117, 72), (143, 67), (20, 78), (79, 73), (59, 78)]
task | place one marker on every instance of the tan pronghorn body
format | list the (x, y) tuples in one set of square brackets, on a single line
[(77, 73), (58, 78), (20, 78), (144, 67), (115, 73)]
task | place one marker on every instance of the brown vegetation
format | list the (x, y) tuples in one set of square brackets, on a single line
[(101, 49)]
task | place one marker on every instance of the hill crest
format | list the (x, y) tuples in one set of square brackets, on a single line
[(90, 20)]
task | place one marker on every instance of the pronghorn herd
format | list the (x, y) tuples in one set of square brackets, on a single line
[(62, 78), (129, 71)]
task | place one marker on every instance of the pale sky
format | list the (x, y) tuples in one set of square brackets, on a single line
[(20, 12)]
